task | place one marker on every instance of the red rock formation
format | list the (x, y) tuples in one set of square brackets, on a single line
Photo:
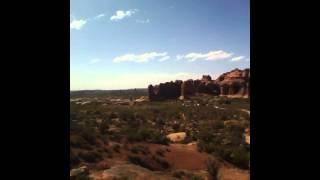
[(168, 90), (235, 82)]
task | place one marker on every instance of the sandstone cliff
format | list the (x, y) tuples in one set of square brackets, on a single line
[(233, 83)]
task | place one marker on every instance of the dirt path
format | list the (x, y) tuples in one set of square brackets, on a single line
[(184, 156), (187, 157)]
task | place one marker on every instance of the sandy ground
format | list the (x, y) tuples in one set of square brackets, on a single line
[(185, 156)]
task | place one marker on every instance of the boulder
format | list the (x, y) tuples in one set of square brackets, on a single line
[(177, 137)]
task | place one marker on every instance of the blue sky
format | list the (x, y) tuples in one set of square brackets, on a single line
[(122, 44)]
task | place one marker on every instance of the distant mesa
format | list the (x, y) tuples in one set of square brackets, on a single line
[(235, 83)]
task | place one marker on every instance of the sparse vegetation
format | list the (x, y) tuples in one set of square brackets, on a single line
[(140, 149), (116, 148), (90, 156), (97, 129), (186, 175), (213, 168)]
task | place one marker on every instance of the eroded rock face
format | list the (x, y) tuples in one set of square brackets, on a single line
[(233, 83), (168, 90)]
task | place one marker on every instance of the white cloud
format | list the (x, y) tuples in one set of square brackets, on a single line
[(95, 60), (99, 16), (248, 59), (210, 56), (178, 57), (143, 21), (238, 58), (139, 58), (164, 58), (77, 24), (120, 14), (96, 80)]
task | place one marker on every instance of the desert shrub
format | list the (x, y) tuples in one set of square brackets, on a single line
[(176, 127), (145, 135), (89, 136), (77, 141), (103, 127), (179, 174), (213, 168), (81, 176), (240, 157), (158, 138), (113, 115), (195, 177), (227, 143), (105, 139), (138, 161), (126, 115), (116, 148), (140, 149), (160, 152), (74, 159), (107, 150), (134, 150), (218, 124), (135, 136), (186, 175), (164, 164), (90, 156)]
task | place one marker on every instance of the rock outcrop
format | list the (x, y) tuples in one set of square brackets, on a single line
[(168, 90), (236, 82), (177, 137), (233, 83)]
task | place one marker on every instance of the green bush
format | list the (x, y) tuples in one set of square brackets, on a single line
[(140, 162), (89, 136), (160, 139), (164, 164), (213, 168), (240, 157)]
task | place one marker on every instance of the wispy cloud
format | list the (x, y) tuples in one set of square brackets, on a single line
[(99, 16), (210, 56), (143, 21), (95, 60), (139, 58), (77, 24), (238, 58), (164, 58), (120, 14), (179, 57)]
